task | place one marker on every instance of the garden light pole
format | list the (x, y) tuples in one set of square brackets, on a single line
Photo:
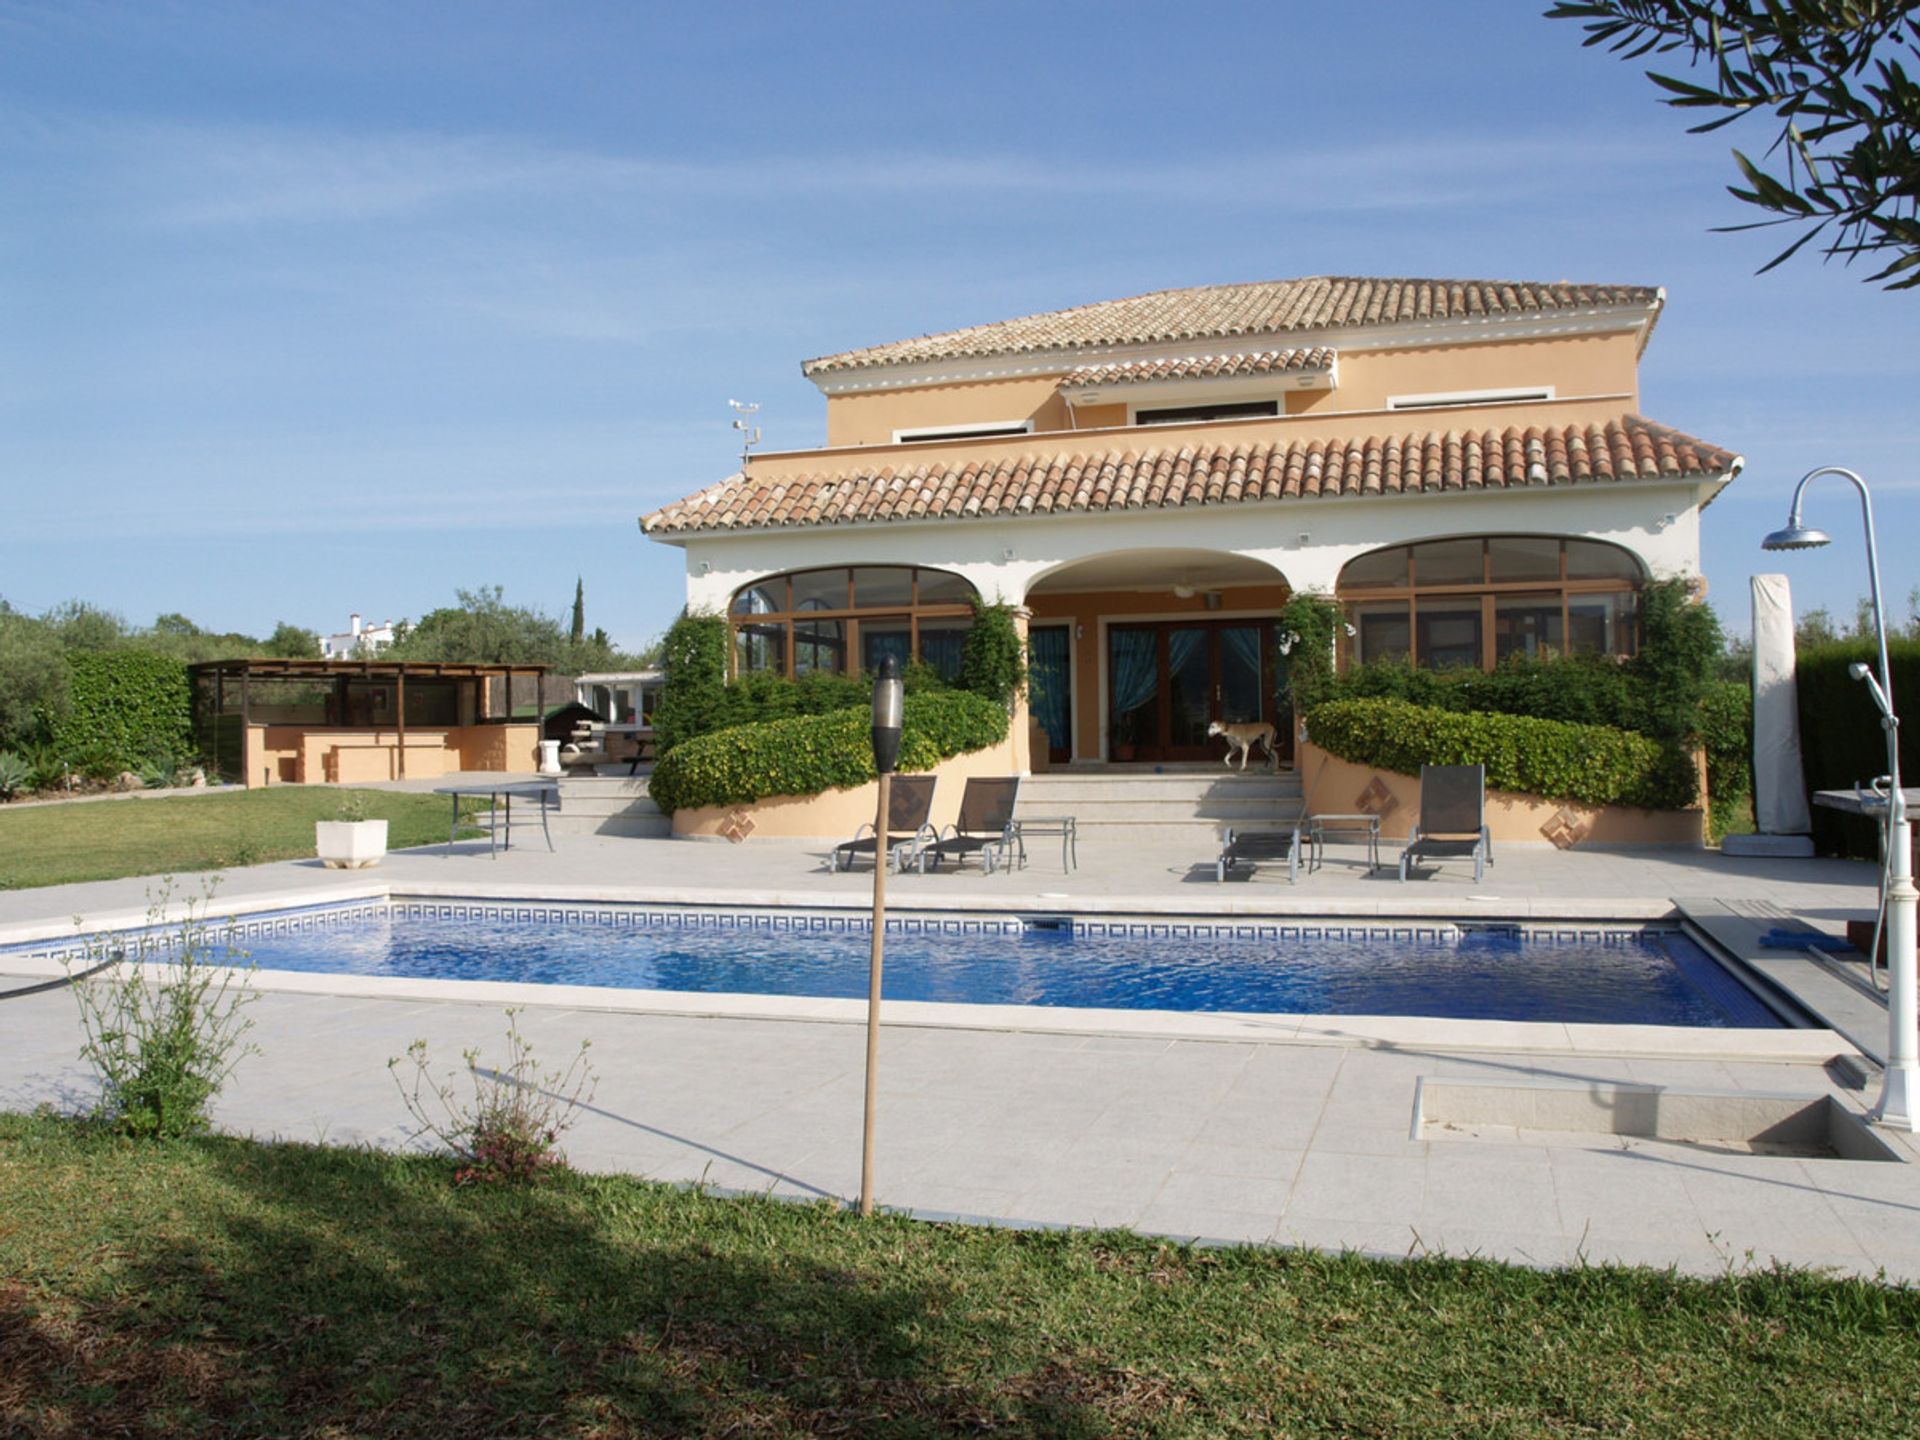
[(887, 706), (1901, 1087)]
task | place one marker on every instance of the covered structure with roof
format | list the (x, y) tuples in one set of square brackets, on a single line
[(269, 722), (1463, 464)]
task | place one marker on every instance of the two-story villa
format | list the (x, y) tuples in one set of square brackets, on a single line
[(1461, 462)]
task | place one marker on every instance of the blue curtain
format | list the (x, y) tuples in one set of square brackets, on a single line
[(1136, 669), (1182, 645), (1048, 691), (1244, 642), (878, 644)]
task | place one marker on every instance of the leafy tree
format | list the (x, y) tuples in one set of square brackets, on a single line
[(1831, 73), (33, 678), (483, 629), (80, 626), (290, 642), (579, 631)]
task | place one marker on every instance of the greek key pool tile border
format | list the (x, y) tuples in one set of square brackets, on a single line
[(220, 929)]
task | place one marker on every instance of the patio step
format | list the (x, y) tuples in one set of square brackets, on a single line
[(608, 805), (1179, 803)]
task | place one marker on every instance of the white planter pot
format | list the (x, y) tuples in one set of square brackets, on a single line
[(350, 844), (550, 757)]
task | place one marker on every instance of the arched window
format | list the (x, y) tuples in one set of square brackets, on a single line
[(849, 617), (1478, 599)]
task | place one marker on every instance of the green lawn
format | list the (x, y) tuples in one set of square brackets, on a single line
[(224, 1287), (106, 839)]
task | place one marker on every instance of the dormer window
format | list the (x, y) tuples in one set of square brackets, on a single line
[(983, 430), (1454, 399), (1219, 410)]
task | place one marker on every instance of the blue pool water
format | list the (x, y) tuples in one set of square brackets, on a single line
[(1614, 975)]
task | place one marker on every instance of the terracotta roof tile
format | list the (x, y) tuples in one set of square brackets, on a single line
[(1205, 367), (1152, 478), (1267, 307)]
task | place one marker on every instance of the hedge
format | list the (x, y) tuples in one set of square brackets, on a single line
[(1726, 734), (811, 754), (125, 708), (1587, 764), (693, 661), (1840, 736)]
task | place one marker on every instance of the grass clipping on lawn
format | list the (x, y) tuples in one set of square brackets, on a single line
[(218, 1286), (173, 835)]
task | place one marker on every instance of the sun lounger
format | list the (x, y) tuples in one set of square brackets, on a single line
[(1453, 818), (1252, 848), (985, 826), (909, 801)]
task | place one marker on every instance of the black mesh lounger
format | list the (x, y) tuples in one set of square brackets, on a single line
[(985, 826), (1453, 818), (909, 801), (1250, 848)]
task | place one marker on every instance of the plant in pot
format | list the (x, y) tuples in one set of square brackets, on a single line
[(351, 840)]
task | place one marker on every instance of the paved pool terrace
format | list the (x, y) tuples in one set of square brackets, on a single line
[(1287, 1130)]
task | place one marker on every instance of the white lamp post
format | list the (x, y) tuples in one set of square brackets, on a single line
[(1901, 1089), (888, 703)]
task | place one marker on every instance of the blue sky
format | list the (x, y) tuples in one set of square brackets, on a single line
[(312, 309)]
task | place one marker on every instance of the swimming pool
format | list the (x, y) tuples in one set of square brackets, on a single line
[(1618, 974)]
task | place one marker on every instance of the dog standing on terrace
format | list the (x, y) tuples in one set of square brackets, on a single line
[(1244, 737)]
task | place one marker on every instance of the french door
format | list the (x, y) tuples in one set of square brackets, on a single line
[(1166, 682)]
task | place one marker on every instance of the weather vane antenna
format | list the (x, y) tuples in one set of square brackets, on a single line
[(743, 414)]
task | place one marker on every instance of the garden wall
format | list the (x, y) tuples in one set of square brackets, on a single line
[(1332, 785), (835, 814)]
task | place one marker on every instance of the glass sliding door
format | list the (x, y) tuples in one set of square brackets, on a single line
[(1168, 682)]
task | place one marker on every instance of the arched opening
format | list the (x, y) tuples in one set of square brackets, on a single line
[(848, 617), (1473, 601), (1133, 654)]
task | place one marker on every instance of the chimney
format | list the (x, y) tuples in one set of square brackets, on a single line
[(353, 624)]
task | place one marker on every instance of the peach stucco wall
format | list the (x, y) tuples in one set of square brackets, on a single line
[(1573, 365), (835, 815), (1334, 786), (294, 754)]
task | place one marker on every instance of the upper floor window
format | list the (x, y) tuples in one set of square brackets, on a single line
[(982, 430), (1455, 399), (1478, 599), (850, 618), (1226, 410)]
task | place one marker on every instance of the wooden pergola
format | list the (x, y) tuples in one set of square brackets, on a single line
[(244, 672)]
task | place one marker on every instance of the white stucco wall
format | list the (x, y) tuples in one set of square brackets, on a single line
[(1308, 541)]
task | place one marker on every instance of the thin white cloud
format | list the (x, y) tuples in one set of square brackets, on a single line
[(198, 175)]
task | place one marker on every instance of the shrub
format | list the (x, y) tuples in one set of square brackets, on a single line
[(510, 1131), (1587, 764), (1680, 641), (810, 754), (1840, 736), (16, 775), (1726, 733), (993, 662), (1307, 627), (125, 707), (1582, 690), (163, 1050), (693, 656), (33, 679)]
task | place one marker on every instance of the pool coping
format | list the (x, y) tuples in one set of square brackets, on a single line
[(1793, 1046)]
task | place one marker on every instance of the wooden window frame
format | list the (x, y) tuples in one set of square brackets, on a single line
[(849, 615), (1486, 590)]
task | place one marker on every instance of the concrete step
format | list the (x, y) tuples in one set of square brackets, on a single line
[(639, 827), (1205, 800), (609, 805)]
